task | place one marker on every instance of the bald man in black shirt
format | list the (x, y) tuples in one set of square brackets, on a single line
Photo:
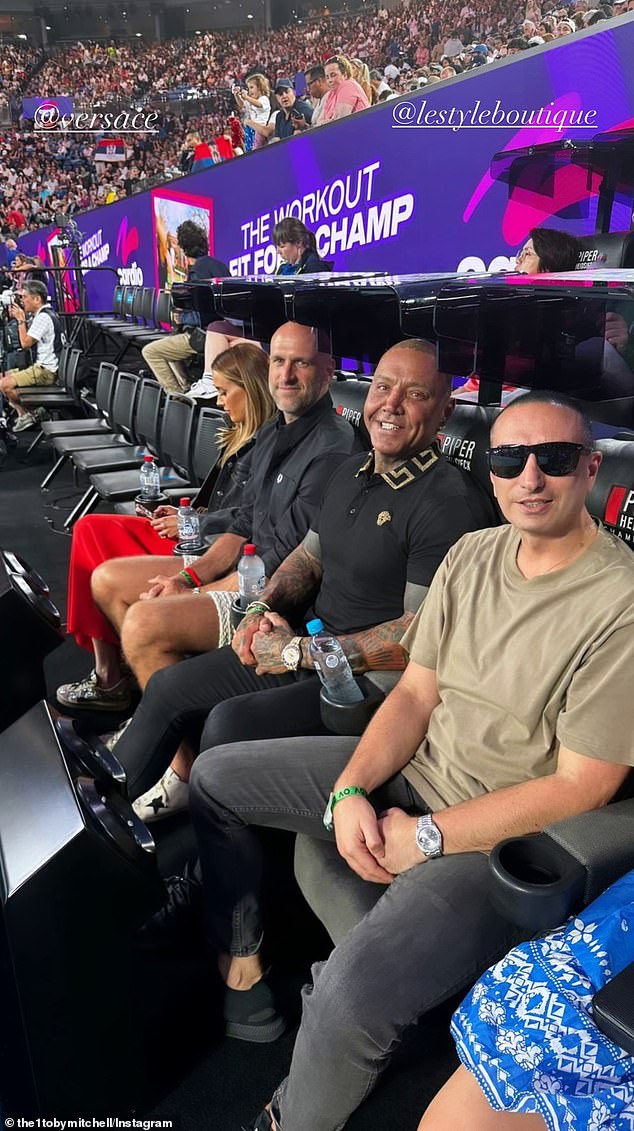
[(385, 524)]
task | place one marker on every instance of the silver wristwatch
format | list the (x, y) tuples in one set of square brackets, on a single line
[(428, 837), (292, 654)]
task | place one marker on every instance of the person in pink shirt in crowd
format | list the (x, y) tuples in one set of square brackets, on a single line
[(345, 95)]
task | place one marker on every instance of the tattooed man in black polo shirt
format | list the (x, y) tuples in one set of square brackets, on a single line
[(385, 524)]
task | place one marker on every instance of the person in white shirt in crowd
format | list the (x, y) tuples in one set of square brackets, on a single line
[(255, 104), (317, 88), (38, 328)]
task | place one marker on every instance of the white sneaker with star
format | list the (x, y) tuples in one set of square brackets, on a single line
[(168, 796)]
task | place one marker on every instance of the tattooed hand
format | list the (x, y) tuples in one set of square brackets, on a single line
[(267, 647), (243, 638)]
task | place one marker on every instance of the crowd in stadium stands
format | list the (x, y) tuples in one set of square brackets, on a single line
[(16, 61), (384, 54)]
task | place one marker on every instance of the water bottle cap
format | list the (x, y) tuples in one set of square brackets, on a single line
[(184, 502), (248, 548), (314, 626), (148, 459)]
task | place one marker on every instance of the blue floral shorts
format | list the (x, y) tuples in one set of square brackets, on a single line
[(526, 1030)]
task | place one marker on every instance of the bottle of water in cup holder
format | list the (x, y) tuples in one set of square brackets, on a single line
[(251, 575), (189, 542), (149, 479), (332, 667)]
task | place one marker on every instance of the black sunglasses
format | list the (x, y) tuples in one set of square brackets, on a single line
[(558, 458)]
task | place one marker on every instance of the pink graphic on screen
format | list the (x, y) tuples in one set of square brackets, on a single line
[(169, 209), (568, 185), (127, 241)]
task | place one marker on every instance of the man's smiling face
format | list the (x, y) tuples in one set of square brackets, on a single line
[(407, 403)]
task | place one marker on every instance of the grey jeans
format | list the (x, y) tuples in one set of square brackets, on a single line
[(430, 933)]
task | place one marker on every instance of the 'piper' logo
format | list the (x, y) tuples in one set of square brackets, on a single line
[(457, 450), (352, 415), (619, 512)]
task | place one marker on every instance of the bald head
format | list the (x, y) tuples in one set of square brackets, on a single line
[(534, 406), (428, 351), (408, 401), (300, 372)]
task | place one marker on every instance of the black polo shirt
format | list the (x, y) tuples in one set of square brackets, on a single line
[(379, 532)]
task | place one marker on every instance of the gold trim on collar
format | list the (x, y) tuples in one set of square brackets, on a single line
[(408, 471)]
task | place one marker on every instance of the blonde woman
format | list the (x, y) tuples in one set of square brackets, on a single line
[(361, 74), (241, 376)]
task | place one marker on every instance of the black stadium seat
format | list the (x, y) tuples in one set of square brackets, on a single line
[(464, 440), (615, 249), (612, 497), (349, 398)]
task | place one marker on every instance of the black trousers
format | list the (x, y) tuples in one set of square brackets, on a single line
[(241, 706)]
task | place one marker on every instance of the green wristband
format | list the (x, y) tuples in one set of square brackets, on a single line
[(188, 578), (349, 791)]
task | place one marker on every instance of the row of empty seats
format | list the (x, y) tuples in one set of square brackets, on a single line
[(134, 416), (140, 315)]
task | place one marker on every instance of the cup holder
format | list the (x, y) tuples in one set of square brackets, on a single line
[(196, 551), (144, 508), (535, 882), (350, 718), (236, 615)]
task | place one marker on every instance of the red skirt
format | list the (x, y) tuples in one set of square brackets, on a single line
[(97, 538)]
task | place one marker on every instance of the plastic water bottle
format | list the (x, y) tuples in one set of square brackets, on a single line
[(251, 576), (150, 478), (189, 542), (332, 667)]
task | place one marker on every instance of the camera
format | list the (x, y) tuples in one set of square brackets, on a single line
[(8, 297)]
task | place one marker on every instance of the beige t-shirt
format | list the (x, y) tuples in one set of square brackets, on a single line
[(523, 665)]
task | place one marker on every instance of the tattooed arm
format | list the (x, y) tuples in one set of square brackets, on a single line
[(297, 578), (291, 585), (378, 648)]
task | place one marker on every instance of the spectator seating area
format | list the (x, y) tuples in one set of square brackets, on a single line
[(131, 415), (405, 49), (103, 438)]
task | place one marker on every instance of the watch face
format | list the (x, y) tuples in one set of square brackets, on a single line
[(428, 837), (291, 656)]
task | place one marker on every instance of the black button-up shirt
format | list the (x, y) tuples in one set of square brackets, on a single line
[(290, 466)]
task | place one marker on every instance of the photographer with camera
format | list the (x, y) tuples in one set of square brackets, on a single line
[(39, 328)]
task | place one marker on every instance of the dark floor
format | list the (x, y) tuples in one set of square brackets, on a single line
[(203, 1080)]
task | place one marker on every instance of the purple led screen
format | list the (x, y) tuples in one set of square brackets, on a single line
[(31, 105), (379, 193)]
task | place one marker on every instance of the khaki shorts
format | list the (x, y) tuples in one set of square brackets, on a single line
[(34, 375)]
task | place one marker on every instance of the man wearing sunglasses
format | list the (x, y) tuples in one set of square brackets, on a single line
[(515, 711)]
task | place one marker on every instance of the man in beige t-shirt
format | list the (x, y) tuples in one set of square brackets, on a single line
[(515, 711)]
